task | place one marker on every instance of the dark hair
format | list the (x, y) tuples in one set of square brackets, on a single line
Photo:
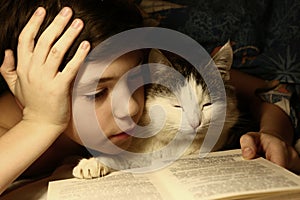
[(102, 19)]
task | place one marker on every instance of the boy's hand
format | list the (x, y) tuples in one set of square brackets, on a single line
[(254, 144), (43, 91)]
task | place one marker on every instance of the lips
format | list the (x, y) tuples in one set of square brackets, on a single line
[(119, 136), (122, 137)]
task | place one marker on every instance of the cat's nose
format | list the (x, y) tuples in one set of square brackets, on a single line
[(195, 123)]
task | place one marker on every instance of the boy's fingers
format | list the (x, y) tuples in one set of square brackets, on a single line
[(29, 32), (249, 144), (277, 153), (71, 69), (8, 64), (51, 34), (276, 150), (294, 161), (8, 69), (59, 49)]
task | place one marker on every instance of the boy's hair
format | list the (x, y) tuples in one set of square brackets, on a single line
[(102, 19)]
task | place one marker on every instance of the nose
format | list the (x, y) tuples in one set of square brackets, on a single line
[(195, 123), (124, 105), (194, 120)]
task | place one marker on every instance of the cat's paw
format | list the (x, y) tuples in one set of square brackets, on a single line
[(90, 168)]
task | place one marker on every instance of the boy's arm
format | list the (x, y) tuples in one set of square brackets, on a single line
[(21, 146), (43, 92), (275, 137)]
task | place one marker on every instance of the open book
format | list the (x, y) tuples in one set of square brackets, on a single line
[(220, 175)]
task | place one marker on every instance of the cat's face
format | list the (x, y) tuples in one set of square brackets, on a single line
[(188, 106), (188, 110)]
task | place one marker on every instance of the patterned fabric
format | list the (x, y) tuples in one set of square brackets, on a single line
[(280, 95), (265, 35)]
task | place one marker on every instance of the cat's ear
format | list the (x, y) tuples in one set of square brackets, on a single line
[(223, 60), (156, 56)]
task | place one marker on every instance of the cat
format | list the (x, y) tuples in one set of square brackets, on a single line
[(179, 118)]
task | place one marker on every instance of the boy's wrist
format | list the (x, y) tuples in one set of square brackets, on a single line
[(35, 118), (42, 127)]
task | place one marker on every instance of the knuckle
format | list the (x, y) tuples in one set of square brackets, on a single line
[(43, 41), (283, 144), (3, 71), (24, 37), (56, 53), (20, 71), (21, 38)]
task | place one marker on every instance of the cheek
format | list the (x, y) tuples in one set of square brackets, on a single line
[(72, 133), (206, 115), (71, 130), (84, 128), (175, 118), (104, 114)]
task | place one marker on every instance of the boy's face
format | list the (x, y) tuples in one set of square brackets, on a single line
[(117, 107)]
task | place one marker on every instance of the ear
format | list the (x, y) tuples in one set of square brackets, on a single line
[(156, 56), (223, 60)]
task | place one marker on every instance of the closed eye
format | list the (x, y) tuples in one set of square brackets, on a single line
[(207, 104), (175, 103), (177, 106), (97, 95)]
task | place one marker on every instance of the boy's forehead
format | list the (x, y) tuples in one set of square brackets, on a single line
[(95, 69)]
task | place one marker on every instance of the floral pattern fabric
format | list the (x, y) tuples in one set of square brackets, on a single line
[(265, 35)]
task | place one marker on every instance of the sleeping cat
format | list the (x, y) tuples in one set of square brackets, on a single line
[(190, 119)]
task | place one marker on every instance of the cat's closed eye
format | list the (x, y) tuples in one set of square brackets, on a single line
[(177, 106), (206, 105), (174, 103)]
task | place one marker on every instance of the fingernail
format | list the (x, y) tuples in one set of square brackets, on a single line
[(85, 45), (39, 11), (247, 152), (65, 12), (76, 23)]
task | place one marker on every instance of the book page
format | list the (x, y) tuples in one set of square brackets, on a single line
[(219, 175), (225, 174), (114, 186)]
